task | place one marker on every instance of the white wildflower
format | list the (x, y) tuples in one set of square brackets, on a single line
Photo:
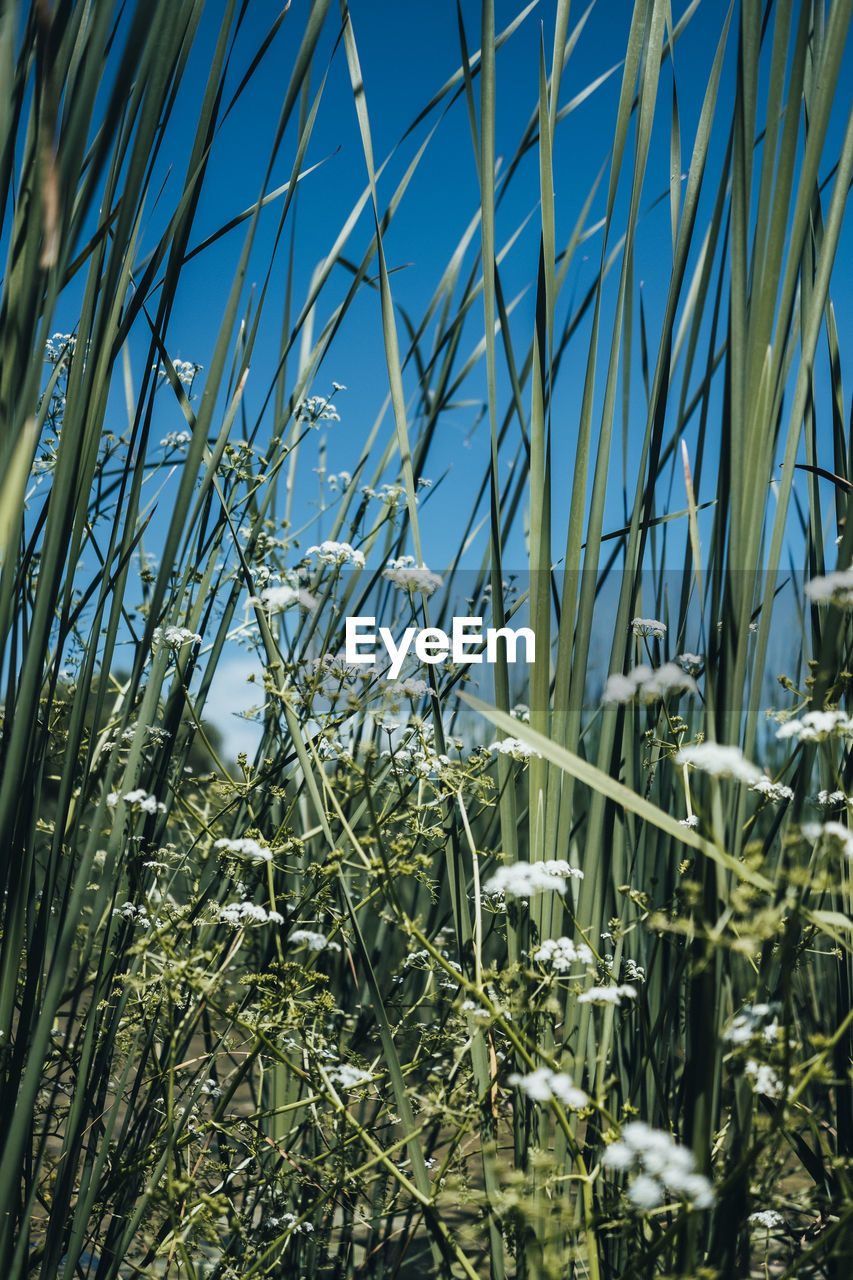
[(175, 637), (647, 684), (608, 995), (238, 914), (720, 761), (544, 1085), (138, 915), (832, 588), (475, 1010), (670, 678), (521, 712), (623, 689), (141, 800), (278, 598), (776, 791), (561, 953), (692, 663), (186, 371), (516, 748), (749, 1022), (828, 799), (767, 1218), (691, 822), (648, 627), (410, 687), (245, 847), (176, 440), (337, 553), (764, 1079), (816, 726), (348, 1076), (288, 1222), (404, 573), (313, 941), (317, 409), (60, 346), (645, 1192), (523, 879), (835, 831), (661, 1165)]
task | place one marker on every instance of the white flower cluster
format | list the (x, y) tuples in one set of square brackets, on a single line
[(775, 791), (753, 1020), (137, 799), (691, 662), (342, 480), (764, 1079), (828, 799), (59, 346), (348, 1076), (175, 637), (720, 762), (523, 879), (337, 553), (561, 953), (660, 1164), (835, 831), (411, 687), (407, 575), (278, 598), (419, 753), (313, 941), (288, 1222), (647, 684), (832, 588), (475, 1011), (516, 748), (608, 995), (245, 847), (427, 763), (816, 726), (176, 440), (186, 371), (648, 627), (767, 1218), (332, 669), (139, 915), (239, 914), (545, 1085), (317, 409), (393, 495)]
